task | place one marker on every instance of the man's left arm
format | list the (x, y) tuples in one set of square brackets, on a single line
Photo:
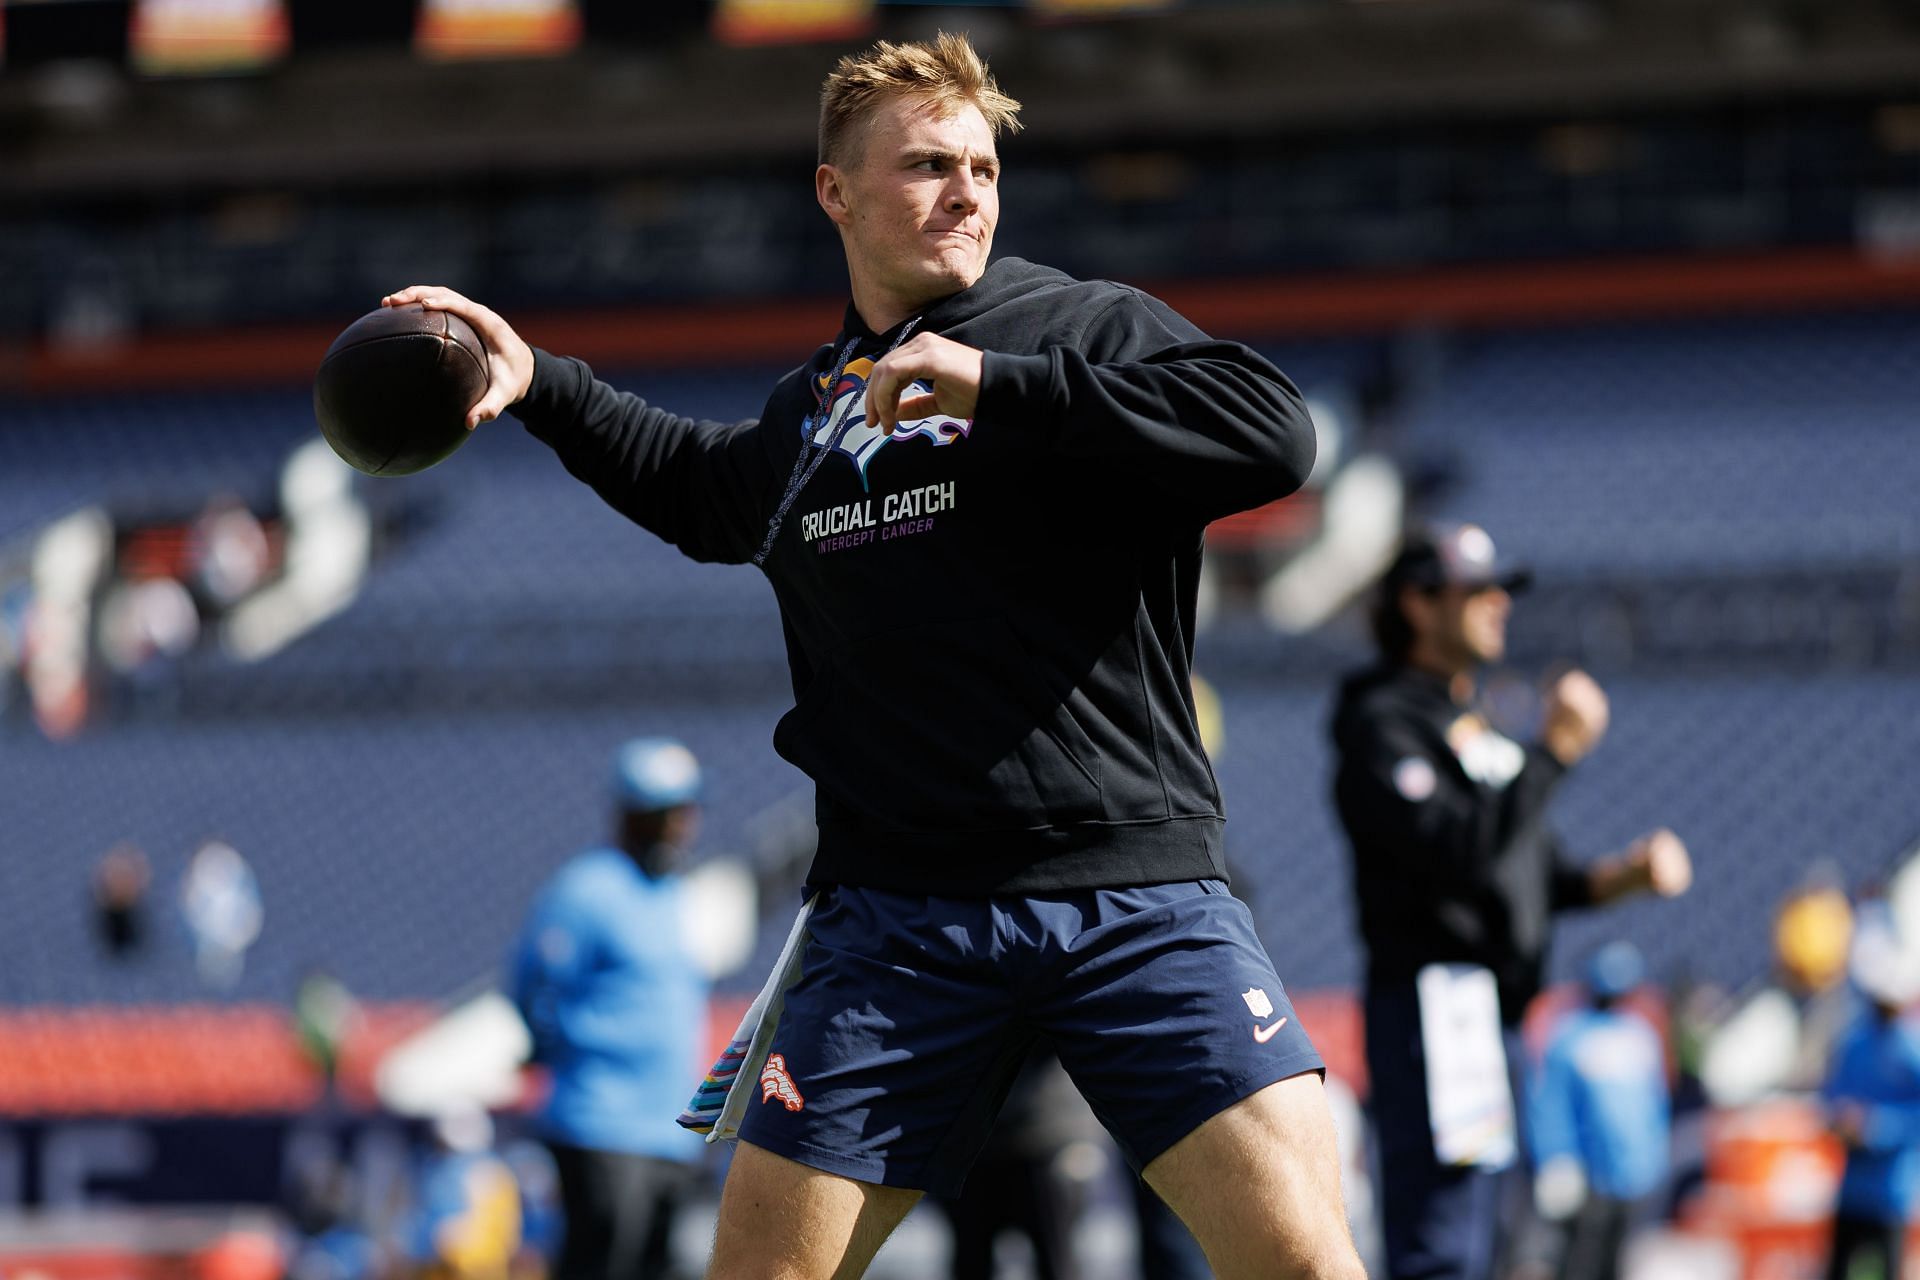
[(1210, 424), (1657, 863), (551, 960)]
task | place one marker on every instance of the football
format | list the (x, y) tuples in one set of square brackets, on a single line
[(393, 391)]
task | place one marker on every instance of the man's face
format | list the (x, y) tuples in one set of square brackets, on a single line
[(918, 201), (1463, 626), (660, 838), (1483, 621)]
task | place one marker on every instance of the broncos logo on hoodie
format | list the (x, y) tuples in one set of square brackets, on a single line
[(862, 439)]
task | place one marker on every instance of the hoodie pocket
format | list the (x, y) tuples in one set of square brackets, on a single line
[(947, 727)]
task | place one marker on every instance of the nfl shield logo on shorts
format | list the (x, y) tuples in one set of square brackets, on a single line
[(1257, 1001)]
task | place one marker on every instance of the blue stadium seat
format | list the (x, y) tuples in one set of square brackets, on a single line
[(398, 855), (1686, 447), (398, 850)]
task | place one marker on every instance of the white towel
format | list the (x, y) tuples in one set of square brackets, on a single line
[(721, 1100)]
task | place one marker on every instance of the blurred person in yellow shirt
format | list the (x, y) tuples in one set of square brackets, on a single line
[(467, 1223)]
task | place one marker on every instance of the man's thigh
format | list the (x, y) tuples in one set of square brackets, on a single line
[(1259, 1186), (781, 1220), (1165, 1010), (1171, 1019)]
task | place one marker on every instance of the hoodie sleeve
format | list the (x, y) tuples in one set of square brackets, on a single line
[(1569, 884), (698, 485), (1145, 393)]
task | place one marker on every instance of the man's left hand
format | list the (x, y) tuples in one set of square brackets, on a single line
[(952, 367), (1661, 857), (1657, 861)]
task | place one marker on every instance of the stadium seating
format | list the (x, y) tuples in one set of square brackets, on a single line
[(143, 455), (397, 854), (1220, 207), (402, 778), (1725, 447)]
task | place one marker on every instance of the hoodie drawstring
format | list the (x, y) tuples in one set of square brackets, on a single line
[(812, 454)]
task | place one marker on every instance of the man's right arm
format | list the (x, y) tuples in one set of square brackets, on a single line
[(696, 484)]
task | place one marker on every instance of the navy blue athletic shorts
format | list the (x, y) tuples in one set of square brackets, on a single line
[(899, 1039)]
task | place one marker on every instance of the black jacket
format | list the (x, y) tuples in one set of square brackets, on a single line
[(1452, 856), (990, 623)]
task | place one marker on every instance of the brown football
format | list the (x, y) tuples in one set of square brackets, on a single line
[(393, 390)]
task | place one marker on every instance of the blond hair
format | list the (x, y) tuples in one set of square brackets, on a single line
[(945, 71)]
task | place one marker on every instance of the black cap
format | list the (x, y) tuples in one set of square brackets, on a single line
[(1454, 555)]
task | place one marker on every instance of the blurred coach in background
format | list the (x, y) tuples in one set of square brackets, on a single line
[(1457, 877)]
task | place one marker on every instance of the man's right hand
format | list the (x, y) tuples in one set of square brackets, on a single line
[(509, 359), (1575, 716)]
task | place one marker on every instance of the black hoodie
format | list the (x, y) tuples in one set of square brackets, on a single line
[(989, 623), (1453, 860)]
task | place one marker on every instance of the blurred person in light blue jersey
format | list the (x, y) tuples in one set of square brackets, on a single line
[(617, 1009), (1872, 1097), (1599, 1114)]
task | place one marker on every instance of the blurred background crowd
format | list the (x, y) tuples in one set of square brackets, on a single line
[(287, 754)]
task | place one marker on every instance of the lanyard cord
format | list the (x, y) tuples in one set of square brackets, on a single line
[(812, 454)]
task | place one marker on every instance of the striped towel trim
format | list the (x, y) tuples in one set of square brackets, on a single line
[(720, 1099), (711, 1095)]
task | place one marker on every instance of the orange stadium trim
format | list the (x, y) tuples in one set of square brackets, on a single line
[(200, 1059), (1275, 307), (181, 1059), (246, 1059)]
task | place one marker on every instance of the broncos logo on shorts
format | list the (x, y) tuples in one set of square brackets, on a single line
[(777, 1082), (863, 440)]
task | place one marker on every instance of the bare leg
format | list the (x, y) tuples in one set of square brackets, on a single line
[(780, 1220), (1259, 1187)]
